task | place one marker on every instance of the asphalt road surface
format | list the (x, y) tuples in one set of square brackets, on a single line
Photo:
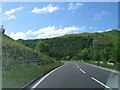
[(78, 75)]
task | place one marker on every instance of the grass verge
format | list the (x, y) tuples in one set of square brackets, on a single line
[(24, 73)]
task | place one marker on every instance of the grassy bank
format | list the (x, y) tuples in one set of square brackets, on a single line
[(24, 73), (104, 65)]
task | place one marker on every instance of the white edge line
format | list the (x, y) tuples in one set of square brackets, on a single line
[(82, 71), (46, 77), (101, 83)]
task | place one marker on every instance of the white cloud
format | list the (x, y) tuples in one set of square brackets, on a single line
[(10, 14), (13, 11), (9, 17), (18, 35), (52, 31), (100, 31), (47, 32), (108, 30), (74, 6), (100, 15), (44, 30), (0, 9), (47, 9), (29, 32)]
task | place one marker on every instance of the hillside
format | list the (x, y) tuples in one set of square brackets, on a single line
[(69, 46), (16, 72), (14, 53), (103, 38), (61, 47)]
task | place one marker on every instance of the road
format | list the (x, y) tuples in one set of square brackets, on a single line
[(78, 75)]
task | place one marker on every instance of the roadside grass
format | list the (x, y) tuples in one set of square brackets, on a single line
[(104, 65), (24, 73)]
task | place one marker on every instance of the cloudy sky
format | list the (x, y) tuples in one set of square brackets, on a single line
[(28, 20)]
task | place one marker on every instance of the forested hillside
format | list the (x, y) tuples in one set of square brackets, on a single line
[(85, 46)]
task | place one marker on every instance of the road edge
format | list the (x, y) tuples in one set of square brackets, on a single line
[(35, 79), (104, 68)]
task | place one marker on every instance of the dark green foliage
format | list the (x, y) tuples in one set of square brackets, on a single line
[(84, 54), (87, 46), (42, 47), (62, 47)]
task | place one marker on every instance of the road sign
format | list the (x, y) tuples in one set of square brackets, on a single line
[(32, 59)]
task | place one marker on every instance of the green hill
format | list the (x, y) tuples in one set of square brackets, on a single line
[(61, 47), (69, 46), (103, 38), (16, 72), (14, 53)]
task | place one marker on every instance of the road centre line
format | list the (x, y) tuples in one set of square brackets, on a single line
[(80, 69), (101, 83), (76, 64), (46, 77)]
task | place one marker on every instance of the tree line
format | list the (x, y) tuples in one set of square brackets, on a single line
[(94, 47)]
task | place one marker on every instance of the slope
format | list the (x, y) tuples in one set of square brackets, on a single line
[(69, 46), (16, 72)]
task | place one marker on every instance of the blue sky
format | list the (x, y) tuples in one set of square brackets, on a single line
[(31, 20)]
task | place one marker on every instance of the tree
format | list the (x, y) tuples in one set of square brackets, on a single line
[(84, 54), (42, 47), (67, 57), (114, 55)]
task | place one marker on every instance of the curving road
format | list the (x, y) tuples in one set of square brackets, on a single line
[(78, 75)]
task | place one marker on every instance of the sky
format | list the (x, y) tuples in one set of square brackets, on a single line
[(36, 20)]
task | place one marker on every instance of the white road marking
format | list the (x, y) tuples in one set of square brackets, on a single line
[(82, 70), (76, 64), (46, 76), (101, 83)]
